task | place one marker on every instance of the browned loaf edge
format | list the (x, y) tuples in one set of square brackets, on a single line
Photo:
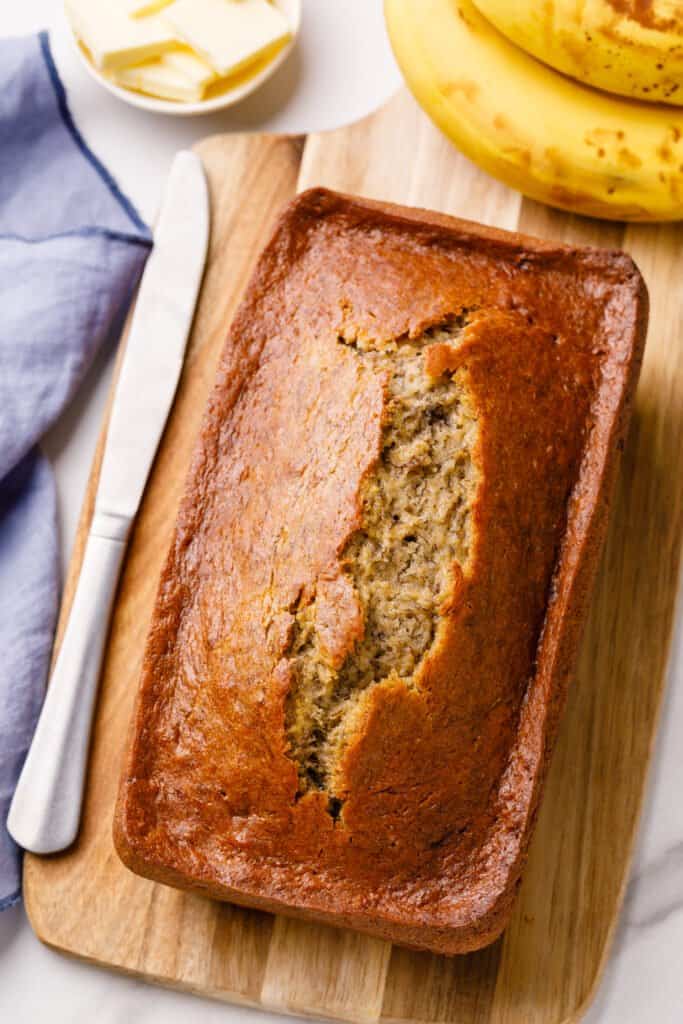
[(402, 805)]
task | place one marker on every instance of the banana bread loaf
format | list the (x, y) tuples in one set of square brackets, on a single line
[(371, 607)]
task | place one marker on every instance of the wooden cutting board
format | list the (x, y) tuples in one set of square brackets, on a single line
[(546, 967)]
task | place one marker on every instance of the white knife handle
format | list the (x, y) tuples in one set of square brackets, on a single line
[(46, 809)]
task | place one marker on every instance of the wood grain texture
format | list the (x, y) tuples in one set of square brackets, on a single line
[(330, 970), (547, 965)]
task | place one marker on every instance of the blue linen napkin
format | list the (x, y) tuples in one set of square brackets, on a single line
[(72, 248)]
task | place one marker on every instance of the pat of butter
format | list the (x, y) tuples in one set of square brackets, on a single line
[(114, 39), (229, 34), (163, 78), (138, 8), (187, 63)]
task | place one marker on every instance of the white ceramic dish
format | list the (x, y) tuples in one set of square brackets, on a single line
[(242, 85)]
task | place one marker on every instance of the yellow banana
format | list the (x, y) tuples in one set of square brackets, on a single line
[(555, 140), (624, 46)]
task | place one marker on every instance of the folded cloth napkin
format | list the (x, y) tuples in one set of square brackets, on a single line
[(71, 251)]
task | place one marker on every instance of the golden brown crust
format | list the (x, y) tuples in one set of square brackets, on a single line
[(440, 781)]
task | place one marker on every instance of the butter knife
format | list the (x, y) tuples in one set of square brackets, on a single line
[(45, 813)]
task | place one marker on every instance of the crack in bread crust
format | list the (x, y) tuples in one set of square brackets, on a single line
[(399, 567)]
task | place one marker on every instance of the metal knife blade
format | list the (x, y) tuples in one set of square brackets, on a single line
[(155, 349)]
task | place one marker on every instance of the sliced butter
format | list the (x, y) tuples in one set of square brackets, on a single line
[(187, 63), (115, 40), (139, 8), (229, 34), (160, 78)]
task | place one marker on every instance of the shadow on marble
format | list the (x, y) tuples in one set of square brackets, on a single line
[(9, 927)]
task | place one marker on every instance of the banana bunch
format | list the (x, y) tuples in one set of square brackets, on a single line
[(551, 137)]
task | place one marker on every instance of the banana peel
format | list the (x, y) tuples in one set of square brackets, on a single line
[(623, 46), (551, 138)]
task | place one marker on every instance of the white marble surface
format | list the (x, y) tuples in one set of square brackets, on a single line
[(342, 70)]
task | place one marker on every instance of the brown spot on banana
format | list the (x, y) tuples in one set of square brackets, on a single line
[(645, 12), (625, 158), (469, 89)]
